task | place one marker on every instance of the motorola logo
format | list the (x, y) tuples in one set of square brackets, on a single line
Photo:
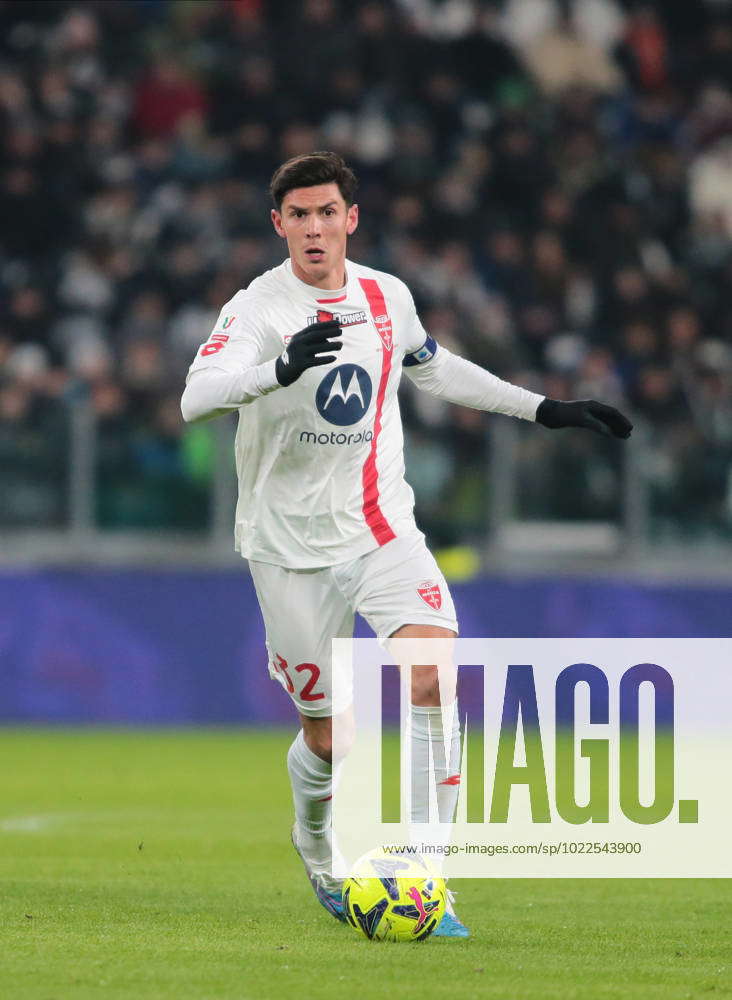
[(344, 395)]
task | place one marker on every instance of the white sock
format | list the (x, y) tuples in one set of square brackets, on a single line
[(427, 734), (312, 787)]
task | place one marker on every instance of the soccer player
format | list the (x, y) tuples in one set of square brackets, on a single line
[(311, 355)]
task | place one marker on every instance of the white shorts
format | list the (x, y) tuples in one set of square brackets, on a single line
[(304, 609)]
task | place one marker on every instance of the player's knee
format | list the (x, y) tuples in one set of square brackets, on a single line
[(343, 735), (425, 686), (321, 745), (319, 737), (330, 739)]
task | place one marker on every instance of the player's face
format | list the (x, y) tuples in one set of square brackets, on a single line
[(316, 222)]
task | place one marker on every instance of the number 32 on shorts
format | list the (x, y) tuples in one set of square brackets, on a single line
[(307, 693)]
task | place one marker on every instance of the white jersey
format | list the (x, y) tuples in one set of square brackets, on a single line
[(320, 462)]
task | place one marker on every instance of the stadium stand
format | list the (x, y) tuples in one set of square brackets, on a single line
[(552, 179)]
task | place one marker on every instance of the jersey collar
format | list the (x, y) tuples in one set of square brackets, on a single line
[(320, 295)]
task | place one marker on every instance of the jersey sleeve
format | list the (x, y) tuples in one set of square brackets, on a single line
[(238, 340), (450, 377), (418, 345), (234, 366), (458, 380)]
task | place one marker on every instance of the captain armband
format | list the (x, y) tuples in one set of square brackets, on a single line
[(425, 353)]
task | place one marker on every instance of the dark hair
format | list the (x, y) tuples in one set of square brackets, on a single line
[(310, 169)]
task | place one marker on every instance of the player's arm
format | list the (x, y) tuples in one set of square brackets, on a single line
[(443, 374), (229, 372), (211, 392), (450, 377)]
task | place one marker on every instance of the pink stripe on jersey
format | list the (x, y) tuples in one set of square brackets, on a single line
[(326, 301), (380, 527)]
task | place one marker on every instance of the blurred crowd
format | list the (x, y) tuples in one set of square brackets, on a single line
[(552, 179)]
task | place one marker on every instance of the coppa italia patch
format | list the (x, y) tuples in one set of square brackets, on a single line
[(429, 591), (228, 320), (345, 319)]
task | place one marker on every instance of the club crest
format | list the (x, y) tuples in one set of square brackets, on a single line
[(429, 591), (383, 328)]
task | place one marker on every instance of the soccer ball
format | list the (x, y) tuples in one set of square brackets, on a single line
[(402, 901)]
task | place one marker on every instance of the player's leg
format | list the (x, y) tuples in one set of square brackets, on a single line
[(302, 611), (318, 734), (434, 725), (313, 773), (310, 767), (313, 765), (402, 593), (434, 707)]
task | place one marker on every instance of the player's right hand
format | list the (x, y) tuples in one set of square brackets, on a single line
[(308, 349)]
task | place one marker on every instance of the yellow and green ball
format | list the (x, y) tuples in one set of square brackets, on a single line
[(394, 897)]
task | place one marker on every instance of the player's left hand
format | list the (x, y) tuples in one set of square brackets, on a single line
[(587, 413)]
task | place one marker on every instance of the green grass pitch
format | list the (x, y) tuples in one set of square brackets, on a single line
[(148, 865)]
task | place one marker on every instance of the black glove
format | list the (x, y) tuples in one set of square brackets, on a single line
[(583, 413), (307, 350)]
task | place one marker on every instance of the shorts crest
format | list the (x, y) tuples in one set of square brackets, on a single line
[(429, 591)]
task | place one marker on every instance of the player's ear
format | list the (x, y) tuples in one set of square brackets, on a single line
[(352, 220), (277, 222)]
